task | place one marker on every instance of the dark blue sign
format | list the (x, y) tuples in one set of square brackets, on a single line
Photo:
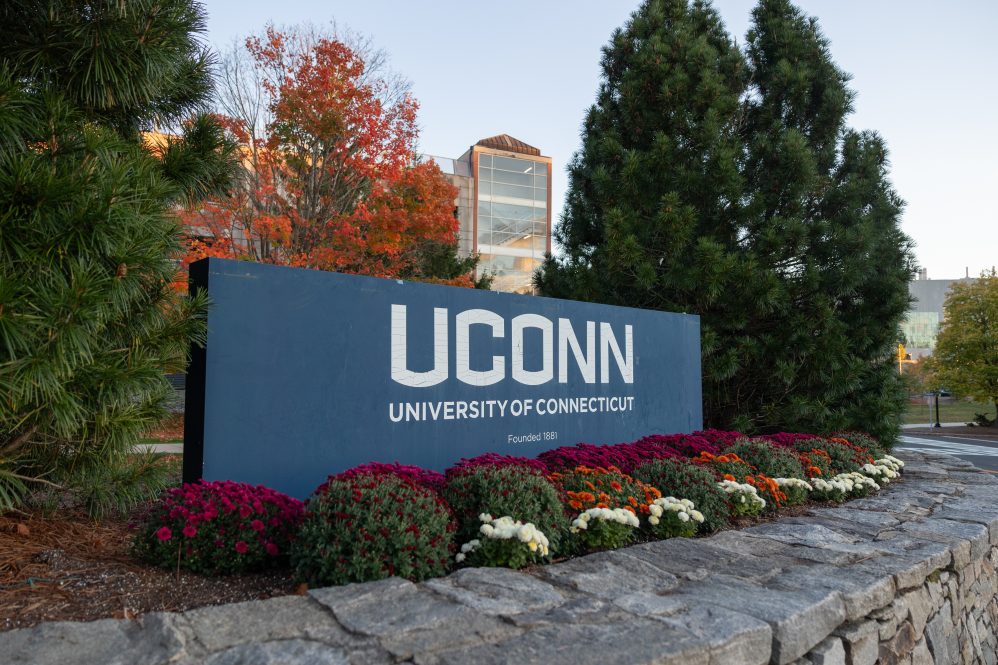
[(308, 373)]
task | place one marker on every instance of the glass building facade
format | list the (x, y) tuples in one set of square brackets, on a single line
[(512, 219), (504, 208)]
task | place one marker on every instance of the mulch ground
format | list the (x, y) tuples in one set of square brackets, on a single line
[(171, 429), (68, 568)]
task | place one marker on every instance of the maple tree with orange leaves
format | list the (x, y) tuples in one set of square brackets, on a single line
[(330, 180)]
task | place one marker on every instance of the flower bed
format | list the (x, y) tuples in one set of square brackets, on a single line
[(379, 520)]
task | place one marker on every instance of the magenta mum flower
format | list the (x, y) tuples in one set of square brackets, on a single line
[(164, 533), (414, 474), (257, 525), (190, 531), (241, 547)]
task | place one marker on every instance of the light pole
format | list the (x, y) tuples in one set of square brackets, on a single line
[(938, 424)]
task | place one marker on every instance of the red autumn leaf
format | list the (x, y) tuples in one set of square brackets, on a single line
[(331, 181)]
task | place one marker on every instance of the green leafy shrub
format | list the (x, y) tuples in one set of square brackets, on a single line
[(218, 528), (729, 466), (372, 526), (597, 487), (520, 492), (598, 529), (670, 517), (744, 498), (869, 443), (689, 481), (768, 459), (814, 459), (829, 489), (795, 490), (606, 503), (844, 456), (504, 542), (858, 484)]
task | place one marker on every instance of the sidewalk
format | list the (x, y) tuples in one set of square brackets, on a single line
[(172, 448), (928, 425)]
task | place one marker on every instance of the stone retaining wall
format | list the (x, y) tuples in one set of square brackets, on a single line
[(907, 576)]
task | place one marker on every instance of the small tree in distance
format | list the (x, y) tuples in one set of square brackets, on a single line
[(965, 359)]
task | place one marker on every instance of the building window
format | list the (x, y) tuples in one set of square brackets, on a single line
[(512, 219)]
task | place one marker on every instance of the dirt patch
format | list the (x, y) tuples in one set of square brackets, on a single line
[(68, 568)]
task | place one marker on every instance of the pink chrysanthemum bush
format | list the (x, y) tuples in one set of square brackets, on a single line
[(623, 456), (219, 528), (433, 480), (717, 437), (683, 445), (496, 460), (370, 526)]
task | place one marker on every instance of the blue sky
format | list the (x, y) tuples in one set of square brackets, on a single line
[(925, 74)]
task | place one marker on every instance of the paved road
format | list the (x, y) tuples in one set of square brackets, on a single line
[(981, 452)]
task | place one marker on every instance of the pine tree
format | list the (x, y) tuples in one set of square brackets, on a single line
[(726, 184), (89, 237)]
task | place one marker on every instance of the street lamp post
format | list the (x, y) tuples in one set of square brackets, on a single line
[(938, 424)]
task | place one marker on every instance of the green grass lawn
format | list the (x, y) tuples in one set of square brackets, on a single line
[(950, 411)]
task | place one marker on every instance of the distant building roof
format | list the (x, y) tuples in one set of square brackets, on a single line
[(507, 142)]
